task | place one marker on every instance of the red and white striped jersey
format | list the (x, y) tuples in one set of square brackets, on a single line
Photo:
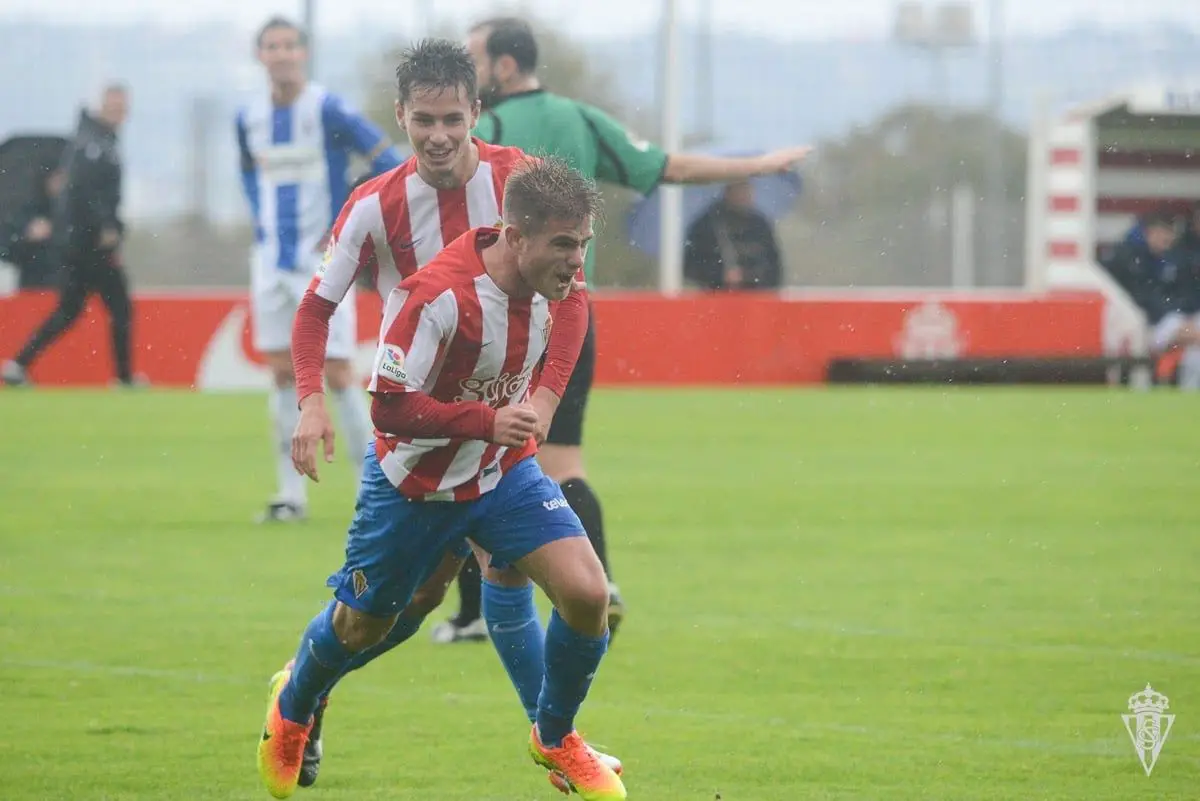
[(395, 224), (456, 336)]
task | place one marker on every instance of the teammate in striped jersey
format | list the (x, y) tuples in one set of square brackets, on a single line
[(454, 459), (295, 145), (392, 226)]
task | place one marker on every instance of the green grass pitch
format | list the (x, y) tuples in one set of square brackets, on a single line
[(834, 594)]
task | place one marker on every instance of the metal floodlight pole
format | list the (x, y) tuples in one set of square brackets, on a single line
[(671, 233), (308, 22), (996, 219)]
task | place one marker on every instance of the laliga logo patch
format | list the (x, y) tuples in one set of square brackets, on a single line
[(391, 366)]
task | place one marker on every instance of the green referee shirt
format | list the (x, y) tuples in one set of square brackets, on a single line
[(543, 123)]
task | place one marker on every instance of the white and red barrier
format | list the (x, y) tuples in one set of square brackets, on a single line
[(202, 340)]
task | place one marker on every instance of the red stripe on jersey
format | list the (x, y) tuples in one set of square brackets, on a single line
[(393, 203), (452, 213), (462, 355), (520, 312), (367, 259)]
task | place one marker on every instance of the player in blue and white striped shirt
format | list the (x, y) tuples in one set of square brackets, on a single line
[(296, 144)]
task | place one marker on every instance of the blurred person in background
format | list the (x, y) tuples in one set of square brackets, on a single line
[(732, 245), (86, 238), (1154, 267), (26, 236), (520, 113), (295, 143)]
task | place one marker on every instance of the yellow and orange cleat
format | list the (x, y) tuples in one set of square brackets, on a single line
[(281, 749), (575, 766)]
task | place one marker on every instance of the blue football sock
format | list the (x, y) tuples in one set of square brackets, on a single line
[(571, 663), (319, 661), (519, 639), (405, 628)]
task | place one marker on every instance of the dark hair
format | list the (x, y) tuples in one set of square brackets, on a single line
[(280, 22), (547, 189), (435, 64), (1158, 219), (511, 36)]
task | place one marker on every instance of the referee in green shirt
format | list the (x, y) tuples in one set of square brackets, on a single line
[(520, 113)]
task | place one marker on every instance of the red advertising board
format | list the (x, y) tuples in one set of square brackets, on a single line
[(203, 340)]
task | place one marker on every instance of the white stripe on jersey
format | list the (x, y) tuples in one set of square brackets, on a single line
[(493, 350), (425, 219), (482, 207), (340, 268)]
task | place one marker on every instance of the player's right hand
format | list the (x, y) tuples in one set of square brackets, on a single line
[(313, 428), (514, 425), (778, 161)]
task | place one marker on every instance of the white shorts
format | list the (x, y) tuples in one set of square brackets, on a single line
[(274, 297)]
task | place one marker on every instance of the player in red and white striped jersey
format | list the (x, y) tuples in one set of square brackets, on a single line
[(454, 459), (391, 227)]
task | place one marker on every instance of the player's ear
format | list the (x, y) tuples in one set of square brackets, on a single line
[(400, 116), (476, 108), (512, 236)]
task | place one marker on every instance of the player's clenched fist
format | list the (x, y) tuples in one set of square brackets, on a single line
[(313, 428), (514, 425)]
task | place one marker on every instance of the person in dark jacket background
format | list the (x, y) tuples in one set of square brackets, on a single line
[(87, 237), (732, 245), (26, 236), (1162, 276)]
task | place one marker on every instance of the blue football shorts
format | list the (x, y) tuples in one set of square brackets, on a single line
[(395, 543)]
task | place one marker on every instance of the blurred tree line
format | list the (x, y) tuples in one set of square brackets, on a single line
[(875, 208)]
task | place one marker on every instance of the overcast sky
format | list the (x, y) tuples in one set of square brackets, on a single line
[(788, 19)]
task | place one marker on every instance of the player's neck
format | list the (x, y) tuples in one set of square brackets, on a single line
[(285, 94), (520, 85), (500, 262)]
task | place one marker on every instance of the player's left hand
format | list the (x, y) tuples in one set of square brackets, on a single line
[(778, 161), (313, 427)]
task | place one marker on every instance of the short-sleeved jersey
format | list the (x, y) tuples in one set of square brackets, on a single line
[(295, 163), (395, 224), (456, 336), (543, 123)]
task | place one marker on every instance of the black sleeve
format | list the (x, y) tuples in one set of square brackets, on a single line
[(93, 190), (702, 255), (774, 276), (12, 231)]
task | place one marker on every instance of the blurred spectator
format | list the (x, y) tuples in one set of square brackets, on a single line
[(26, 234), (87, 234), (732, 245), (1161, 272)]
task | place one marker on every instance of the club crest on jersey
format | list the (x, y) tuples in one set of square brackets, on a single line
[(328, 256), (391, 364), (493, 391)]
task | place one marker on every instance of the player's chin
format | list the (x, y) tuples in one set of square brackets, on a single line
[(556, 290)]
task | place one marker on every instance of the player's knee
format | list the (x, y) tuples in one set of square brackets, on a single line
[(561, 462), (583, 602), (505, 577), (357, 630)]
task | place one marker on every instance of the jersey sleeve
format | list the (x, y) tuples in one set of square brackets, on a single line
[(624, 158), (349, 129), (414, 339), (249, 169), (351, 246)]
